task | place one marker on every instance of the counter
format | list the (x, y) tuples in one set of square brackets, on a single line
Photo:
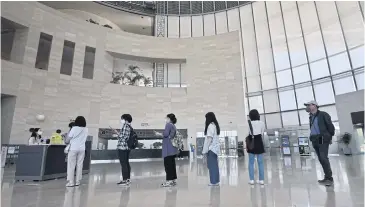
[(45, 162), (135, 154)]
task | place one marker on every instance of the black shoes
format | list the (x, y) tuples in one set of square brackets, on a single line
[(124, 182), (326, 181)]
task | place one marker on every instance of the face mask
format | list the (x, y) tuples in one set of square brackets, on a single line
[(167, 121), (122, 121), (39, 132)]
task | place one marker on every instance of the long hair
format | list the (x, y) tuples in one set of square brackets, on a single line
[(209, 118)]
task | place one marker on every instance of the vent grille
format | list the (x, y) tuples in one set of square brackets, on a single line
[(220, 5), (185, 7), (173, 7), (196, 7), (208, 6), (231, 4)]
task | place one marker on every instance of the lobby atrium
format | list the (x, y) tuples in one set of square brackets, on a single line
[(89, 86)]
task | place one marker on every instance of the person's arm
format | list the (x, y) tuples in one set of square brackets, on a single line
[(70, 135), (262, 129), (31, 140), (208, 139), (329, 124), (167, 131)]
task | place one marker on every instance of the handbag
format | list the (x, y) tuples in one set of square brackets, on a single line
[(250, 144), (177, 140), (67, 149)]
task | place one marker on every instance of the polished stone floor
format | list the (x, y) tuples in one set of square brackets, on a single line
[(290, 181)]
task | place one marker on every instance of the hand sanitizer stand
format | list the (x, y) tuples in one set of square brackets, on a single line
[(285, 145), (304, 149)]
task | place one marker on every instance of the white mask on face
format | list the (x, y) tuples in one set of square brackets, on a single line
[(122, 121), (39, 132), (167, 120)]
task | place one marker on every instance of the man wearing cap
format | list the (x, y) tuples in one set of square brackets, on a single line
[(321, 132)]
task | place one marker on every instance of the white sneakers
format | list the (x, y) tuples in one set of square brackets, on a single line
[(252, 182), (261, 182), (72, 184)]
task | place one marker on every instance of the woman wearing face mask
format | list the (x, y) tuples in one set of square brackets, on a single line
[(169, 152), (35, 137)]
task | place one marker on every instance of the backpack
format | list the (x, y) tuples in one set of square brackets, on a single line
[(177, 141), (132, 141)]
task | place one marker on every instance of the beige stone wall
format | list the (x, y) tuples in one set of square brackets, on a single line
[(213, 74)]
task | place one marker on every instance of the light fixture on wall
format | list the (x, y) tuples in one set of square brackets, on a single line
[(40, 117)]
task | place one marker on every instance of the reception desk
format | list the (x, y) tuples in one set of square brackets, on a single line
[(45, 162), (136, 154)]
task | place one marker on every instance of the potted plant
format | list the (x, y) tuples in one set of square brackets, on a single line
[(107, 26), (132, 76), (117, 78), (345, 139)]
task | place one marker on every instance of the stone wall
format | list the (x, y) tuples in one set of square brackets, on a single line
[(212, 71)]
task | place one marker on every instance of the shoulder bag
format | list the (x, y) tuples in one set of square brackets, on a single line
[(250, 144)]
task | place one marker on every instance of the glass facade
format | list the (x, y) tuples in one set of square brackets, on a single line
[(293, 52)]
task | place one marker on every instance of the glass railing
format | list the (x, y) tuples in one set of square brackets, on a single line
[(146, 7)]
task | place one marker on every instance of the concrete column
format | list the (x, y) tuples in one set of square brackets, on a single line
[(103, 65), (56, 55), (31, 47), (78, 63)]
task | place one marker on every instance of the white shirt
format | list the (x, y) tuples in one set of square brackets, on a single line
[(33, 141), (77, 137), (214, 145), (258, 127)]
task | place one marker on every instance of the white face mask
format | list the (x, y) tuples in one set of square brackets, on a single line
[(122, 121), (39, 132), (167, 120)]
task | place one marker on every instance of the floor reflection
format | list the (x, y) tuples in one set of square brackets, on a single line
[(290, 181)]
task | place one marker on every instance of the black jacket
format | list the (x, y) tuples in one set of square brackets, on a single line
[(325, 124)]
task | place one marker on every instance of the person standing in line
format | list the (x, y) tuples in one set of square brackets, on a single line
[(76, 138), (169, 151), (321, 132), (257, 129), (211, 147), (123, 149)]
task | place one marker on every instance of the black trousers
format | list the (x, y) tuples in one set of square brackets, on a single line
[(322, 154), (170, 167), (123, 156)]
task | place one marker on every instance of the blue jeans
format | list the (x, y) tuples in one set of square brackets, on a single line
[(251, 163), (212, 160)]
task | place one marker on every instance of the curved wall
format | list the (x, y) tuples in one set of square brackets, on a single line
[(211, 63), (292, 52), (82, 15)]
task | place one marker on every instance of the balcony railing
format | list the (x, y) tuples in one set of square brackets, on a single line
[(175, 7)]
